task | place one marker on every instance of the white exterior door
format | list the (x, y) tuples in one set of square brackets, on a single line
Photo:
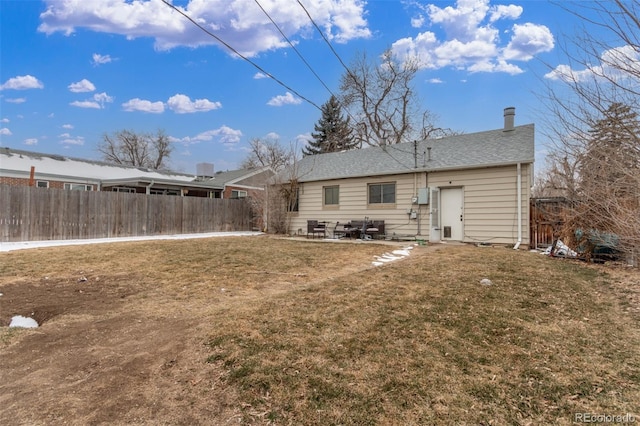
[(452, 214)]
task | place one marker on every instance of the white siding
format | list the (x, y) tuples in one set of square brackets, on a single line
[(490, 202), (490, 213), (353, 203)]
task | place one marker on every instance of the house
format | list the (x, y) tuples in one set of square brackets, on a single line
[(242, 183), (26, 168), (472, 187)]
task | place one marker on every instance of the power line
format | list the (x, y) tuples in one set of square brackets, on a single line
[(239, 54), (323, 36), (293, 47), (366, 95), (300, 55)]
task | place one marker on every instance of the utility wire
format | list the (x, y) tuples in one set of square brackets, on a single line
[(300, 55), (326, 40), (293, 47), (323, 36), (239, 54), (331, 47)]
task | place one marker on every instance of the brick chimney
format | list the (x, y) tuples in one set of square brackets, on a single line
[(509, 115)]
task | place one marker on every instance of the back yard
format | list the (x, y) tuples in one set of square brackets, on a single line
[(261, 330)]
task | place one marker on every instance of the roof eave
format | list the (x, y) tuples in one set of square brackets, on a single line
[(424, 169)]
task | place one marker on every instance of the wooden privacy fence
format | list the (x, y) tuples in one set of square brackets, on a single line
[(546, 220), (33, 214)]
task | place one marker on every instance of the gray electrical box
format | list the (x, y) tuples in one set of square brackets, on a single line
[(423, 195)]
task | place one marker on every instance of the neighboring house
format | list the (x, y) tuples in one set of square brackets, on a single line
[(242, 183), (471, 187), (25, 168)]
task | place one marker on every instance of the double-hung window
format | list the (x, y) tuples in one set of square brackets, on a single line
[(331, 196), (382, 194)]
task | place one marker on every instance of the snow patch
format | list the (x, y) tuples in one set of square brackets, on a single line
[(21, 245), (24, 322), (392, 257)]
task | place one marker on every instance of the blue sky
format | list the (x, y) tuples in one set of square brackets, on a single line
[(71, 70)]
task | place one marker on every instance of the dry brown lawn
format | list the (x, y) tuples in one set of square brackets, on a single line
[(263, 330)]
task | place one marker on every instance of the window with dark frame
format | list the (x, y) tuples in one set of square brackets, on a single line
[(331, 195), (382, 193)]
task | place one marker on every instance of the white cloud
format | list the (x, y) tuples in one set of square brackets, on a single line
[(66, 139), (31, 141), (182, 104), (96, 102), (303, 139), (98, 59), (500, 66), (144, 106), (272, 136), (83, 85), (4, 120), (259, 75), (417, 21), (472, 39), (619, 63), (67, 126), (86, 104), (223, 134), (16, 100), (102, 98), (435, 81), (5, 132), (503, 11), (244, 26), (286, 99), (22, 82), (527, 41)]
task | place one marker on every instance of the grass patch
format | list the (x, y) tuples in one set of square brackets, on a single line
[(304, 332), (423, 341)]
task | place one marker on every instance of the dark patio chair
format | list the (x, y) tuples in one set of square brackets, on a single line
[(356, 228), (375, 229), (340, 230), (315, 228)]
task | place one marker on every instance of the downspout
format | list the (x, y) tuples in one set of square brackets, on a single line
[(519, 202), (148, 190)]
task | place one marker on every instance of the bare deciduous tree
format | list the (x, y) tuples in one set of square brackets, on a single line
[(592, 104), (280, 196), (382, 101), (136, 149), (268, 152)]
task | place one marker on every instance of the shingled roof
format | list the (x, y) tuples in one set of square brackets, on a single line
[(474, 150)]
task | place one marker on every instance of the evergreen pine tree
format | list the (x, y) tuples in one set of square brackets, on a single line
[(332, 131), (609, 182), (612, 155)]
